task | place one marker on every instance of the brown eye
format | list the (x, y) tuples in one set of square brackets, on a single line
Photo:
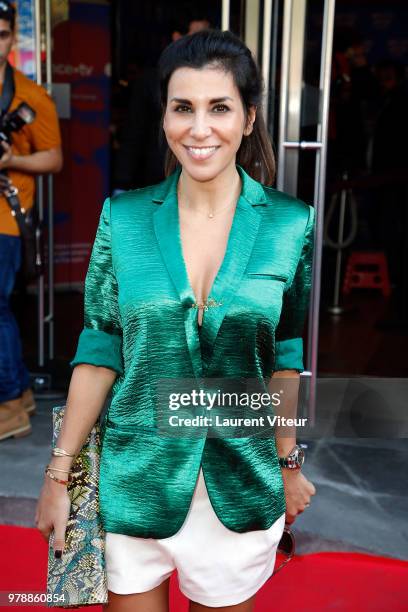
[(182, 108), (221, 108)]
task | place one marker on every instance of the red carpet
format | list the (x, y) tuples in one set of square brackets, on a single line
[(345, 582)]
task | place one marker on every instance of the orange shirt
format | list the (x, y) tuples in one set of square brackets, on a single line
[(42, 134)]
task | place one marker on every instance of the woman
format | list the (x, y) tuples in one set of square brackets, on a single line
[(203, 277)]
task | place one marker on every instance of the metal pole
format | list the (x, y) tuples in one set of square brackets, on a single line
[(303, 144), (48, 46), (37, 12), (287, 17), (266, 53), (225, 16), (252, 28), (336, 308), (272, 78), (50, 316), (294, 31), (320, 192), (39, 195)]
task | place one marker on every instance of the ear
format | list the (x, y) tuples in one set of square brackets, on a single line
[(250, 121)]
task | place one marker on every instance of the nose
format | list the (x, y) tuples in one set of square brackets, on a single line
[(200, 128)]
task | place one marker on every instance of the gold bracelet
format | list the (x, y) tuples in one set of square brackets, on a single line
[(60, 452), (49, 467)]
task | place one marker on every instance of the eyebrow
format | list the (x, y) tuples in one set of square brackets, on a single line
[(213, 101)]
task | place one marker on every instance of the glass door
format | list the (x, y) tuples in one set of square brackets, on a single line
[(292, 41)]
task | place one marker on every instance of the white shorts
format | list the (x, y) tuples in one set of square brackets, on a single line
[(215, 566)]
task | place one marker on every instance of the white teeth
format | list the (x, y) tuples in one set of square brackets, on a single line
[(202, 152)]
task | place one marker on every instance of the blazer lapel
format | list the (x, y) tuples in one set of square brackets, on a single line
[(241, 240), (166, 227), (167, 230)]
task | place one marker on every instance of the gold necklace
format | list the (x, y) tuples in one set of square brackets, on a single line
[(211, 214)]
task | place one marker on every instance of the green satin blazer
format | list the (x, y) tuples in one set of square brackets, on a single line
[(139, 321)]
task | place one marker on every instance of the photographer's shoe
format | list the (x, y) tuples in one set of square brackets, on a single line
[(14, 420), (28, 401)]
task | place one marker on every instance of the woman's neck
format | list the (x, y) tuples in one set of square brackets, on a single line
[(210, 195)]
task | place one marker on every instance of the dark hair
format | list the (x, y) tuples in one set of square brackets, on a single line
[(8, 13), (224, 49)]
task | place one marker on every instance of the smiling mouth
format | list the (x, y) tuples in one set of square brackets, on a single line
[(201, 152)]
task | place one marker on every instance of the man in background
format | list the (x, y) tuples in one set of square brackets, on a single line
[(36, 149)]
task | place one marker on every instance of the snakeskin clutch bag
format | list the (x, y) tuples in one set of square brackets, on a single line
[(79, 577)]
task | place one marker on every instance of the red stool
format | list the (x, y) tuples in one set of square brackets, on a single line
[(367, 270)]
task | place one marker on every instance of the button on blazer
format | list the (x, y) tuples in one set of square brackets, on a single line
[(141, 322)]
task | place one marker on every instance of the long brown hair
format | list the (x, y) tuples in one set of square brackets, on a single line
[(227, 51)]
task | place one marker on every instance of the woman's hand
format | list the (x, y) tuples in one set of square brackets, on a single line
[(53, 512), (298, 491)]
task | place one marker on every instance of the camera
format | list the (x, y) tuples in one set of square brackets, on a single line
[(15, 121)]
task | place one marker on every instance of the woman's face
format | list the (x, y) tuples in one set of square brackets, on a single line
[(204, 121)]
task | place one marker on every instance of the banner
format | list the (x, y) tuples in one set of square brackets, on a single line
[(23, 53), (81, 73)]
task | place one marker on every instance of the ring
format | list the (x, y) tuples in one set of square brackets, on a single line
[(307, 505)]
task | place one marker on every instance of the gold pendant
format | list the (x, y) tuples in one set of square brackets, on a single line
[(209, 303)]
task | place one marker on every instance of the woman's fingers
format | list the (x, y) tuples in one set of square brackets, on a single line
[(307, 500), (59, 539), (299, 491), (52, 514), (45, 530), (311, 488)]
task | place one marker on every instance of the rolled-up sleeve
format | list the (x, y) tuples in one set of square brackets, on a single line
[(288, 336), (100, 342)]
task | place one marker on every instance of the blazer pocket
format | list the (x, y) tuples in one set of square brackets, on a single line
[(132, 429), (267, 275)]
